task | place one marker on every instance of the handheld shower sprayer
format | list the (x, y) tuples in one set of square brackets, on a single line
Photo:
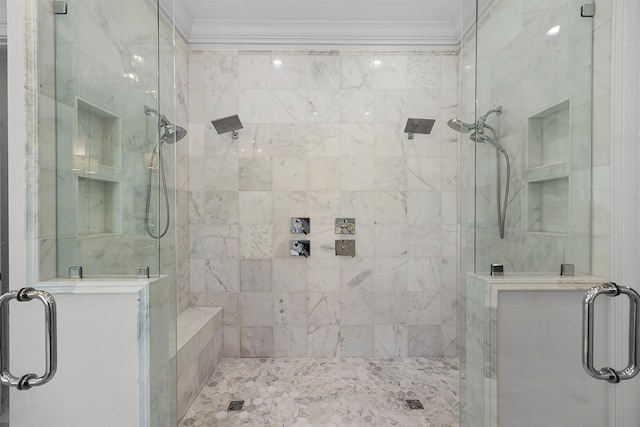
[(168, 133), (478, 135)]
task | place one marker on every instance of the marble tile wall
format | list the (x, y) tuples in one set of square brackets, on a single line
[(323, 138)]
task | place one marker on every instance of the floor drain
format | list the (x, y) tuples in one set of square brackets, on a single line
[(236, 405), (414, 404)]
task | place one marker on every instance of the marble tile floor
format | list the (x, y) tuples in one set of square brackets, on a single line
[(329, 392)]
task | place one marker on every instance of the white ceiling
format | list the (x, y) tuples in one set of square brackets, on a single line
[(254, 24)]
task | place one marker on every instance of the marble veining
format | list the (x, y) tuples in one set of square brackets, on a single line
[(329, 392)]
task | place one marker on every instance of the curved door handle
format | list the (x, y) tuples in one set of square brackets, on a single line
[(609, 374), (26, 381)]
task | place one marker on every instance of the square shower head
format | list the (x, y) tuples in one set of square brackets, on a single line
[(227, 124), (419, 126)]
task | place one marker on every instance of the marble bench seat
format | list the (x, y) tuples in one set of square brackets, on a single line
[(199, 345)]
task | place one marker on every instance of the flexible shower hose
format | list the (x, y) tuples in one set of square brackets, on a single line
[(147, 223), (502, 210)]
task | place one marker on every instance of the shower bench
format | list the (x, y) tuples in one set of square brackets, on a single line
[(199, 344)]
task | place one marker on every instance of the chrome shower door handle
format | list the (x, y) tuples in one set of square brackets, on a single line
[(609, 374), (26, 381)]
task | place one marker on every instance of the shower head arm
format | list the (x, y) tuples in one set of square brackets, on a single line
[(481, 123), (497, 111)]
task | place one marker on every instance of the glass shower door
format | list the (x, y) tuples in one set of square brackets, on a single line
[(528, 88)]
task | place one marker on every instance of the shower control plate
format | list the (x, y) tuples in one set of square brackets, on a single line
[(345, 226)]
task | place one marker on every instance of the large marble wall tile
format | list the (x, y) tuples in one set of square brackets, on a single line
[(289, 106), (217, 71), (323, 341), (289, 71), (425, 208), (356, 71), (256, 106), (322, 140), (256, 341), (255, 174), (323, 106), (289, 308), (290, 174), (390, 308), (390, 341), (290, 341), (323, 174), (323, 308), (390, 275), (289, 275), (390, 207), (256, 241), (323, 72), (222, 275), (256, 208), (255, 71), (357, 308), (255, 275), (424, 308), (390, 72), (357, 274), (323, 275), (425, 341), (423, 71), (356, 341), (356, 174), (391, 240), (256, 309), (356, 106), (390, 174)]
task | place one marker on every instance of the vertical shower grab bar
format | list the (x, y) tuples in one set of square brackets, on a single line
[(26, 381), (609, 374)]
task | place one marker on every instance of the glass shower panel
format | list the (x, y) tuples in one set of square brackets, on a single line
[(534, 59), (107, 70)]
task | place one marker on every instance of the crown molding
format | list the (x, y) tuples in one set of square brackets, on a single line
[(242, 33)]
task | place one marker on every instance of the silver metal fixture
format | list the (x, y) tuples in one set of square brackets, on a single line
[(497, 269), (422, 126), (75, 272), (26, 381), (588, 10), (346, 248), (477, 130), (228, 124), (609, 374), (60, 7), (345, 226), (300, 226), (300, 248), (567, 270), (142, 272), (169, 134)]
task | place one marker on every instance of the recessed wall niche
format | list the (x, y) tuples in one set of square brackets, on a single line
[(548, 169), (97, 165)]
